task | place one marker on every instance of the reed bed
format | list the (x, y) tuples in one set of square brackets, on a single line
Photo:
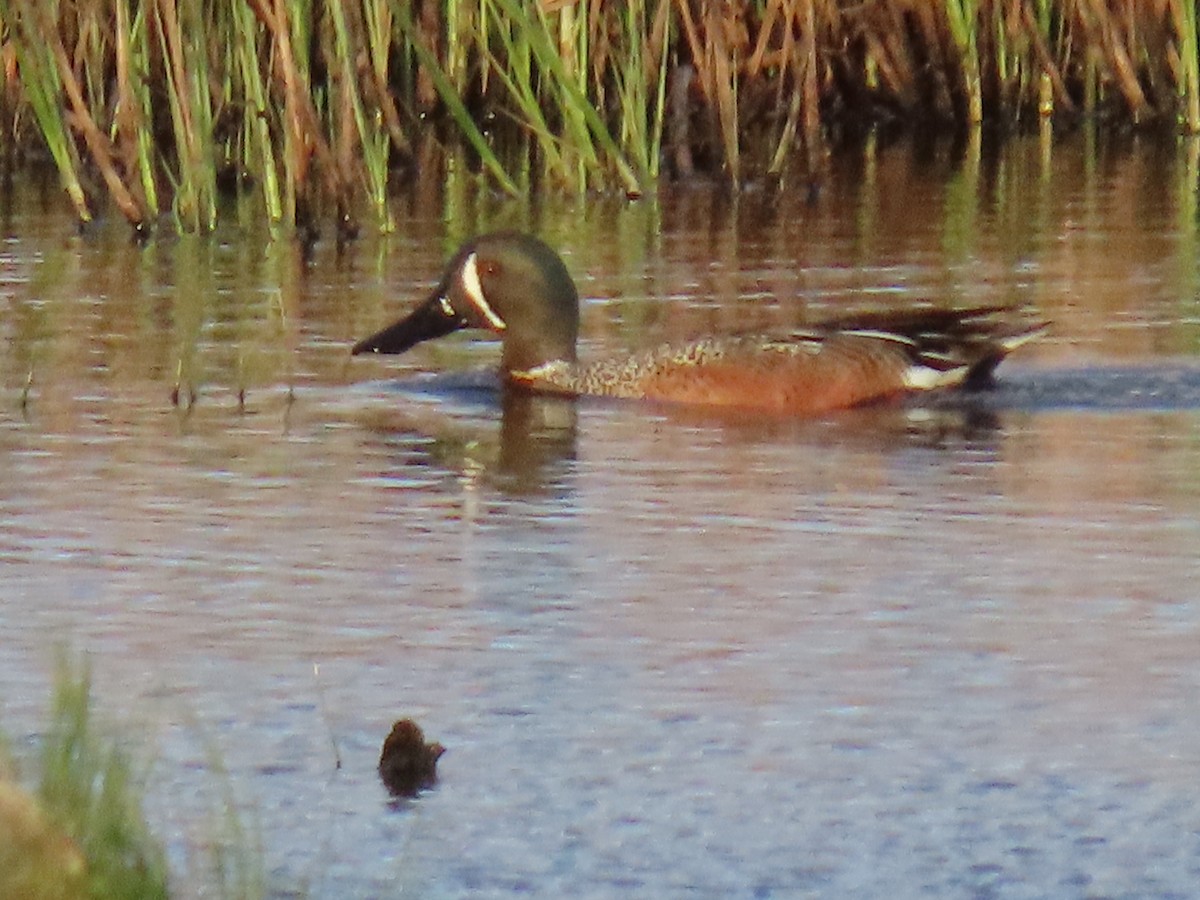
[(319, 108)]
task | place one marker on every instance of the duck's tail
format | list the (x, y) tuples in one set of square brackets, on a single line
[(980, 373), (950, 348)]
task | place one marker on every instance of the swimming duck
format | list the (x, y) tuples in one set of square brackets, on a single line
[(515, 285), (407, 764)]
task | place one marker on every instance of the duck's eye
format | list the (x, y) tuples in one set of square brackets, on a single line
[(489, 267)]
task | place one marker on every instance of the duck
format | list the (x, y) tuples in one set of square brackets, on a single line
[(407, 764), (515, 285)]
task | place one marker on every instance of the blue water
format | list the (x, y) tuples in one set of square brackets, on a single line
[(946, 650)]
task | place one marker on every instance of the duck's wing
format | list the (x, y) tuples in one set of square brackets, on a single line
[(976, 339)]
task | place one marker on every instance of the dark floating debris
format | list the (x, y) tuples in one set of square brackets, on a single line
[(407, 764)]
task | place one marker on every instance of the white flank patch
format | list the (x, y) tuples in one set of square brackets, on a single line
[(474, 289), (927, 378)]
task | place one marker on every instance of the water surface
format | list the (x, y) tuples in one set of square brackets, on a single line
[(946, 651)]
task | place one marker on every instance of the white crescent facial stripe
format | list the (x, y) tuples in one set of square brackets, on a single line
[(474, 289)]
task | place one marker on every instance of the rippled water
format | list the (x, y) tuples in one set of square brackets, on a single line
[(945, 651)]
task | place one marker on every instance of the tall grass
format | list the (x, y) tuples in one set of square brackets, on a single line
[(43, 91), (182, 30), (82, 832), (84, 827), (317, 107)]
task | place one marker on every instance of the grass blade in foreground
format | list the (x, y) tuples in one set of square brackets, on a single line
[(88, 790)]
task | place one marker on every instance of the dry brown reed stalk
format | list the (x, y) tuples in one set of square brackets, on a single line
[(1100, 28), (131, 136), (890, 69), (378, 24), (1044, 62), (97, 143), (8, 105), (351, 132), (304, 137), (786, 44), (717, 42)]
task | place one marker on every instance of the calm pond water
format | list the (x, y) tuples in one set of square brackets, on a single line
[(949, 651)]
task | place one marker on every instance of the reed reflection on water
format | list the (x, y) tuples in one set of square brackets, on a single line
[(931, 650)]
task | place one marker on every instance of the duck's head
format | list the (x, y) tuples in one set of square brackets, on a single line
[(506, 282)]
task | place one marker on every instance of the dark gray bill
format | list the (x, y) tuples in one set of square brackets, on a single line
[(432, 319)]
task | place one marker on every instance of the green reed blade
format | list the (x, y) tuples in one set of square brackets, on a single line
[(373, 142), (259, 153), (962, 17), (573, 103), (42, 89), (89, 786), (183, 44), (377, 22), (133, 43), (1184, 15), (516, 73), (454, 105)]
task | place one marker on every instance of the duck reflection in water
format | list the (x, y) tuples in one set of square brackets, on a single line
[(528, 452)]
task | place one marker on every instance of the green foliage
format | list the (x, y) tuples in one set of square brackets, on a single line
[(89, 790), (316, 105), (43, 90), (184, 44), (82, 832)]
